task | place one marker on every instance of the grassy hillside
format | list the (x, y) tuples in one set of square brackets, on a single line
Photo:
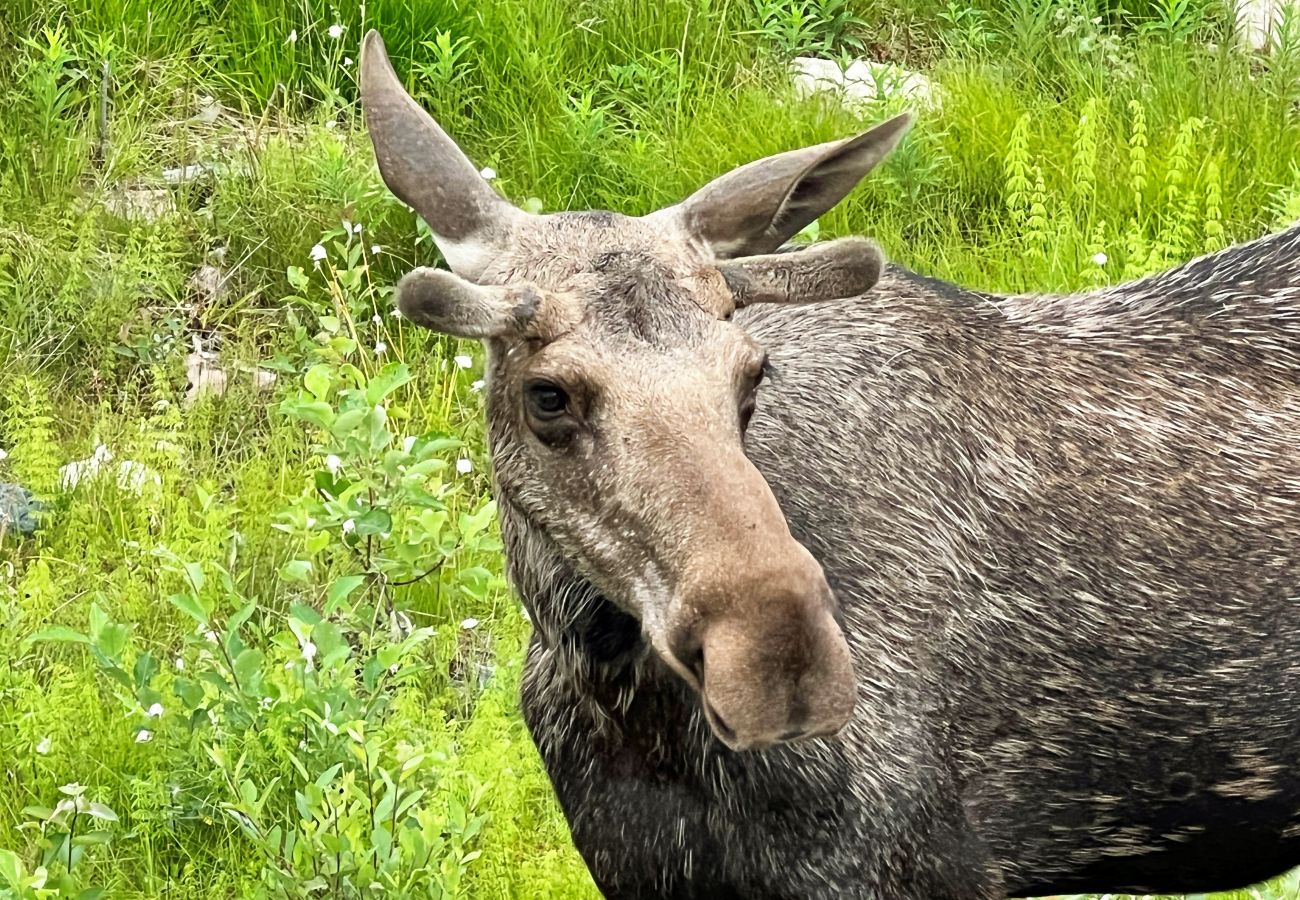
[(181, 712)]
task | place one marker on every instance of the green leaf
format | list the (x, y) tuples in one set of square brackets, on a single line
[(389, 379), (194, 572), (60, 634), (190, 605), (296, 570), (376, 521), (100, 811), (341, 589), (11, 869), (247, 666), (318, 380), (347, 422), (315, 412)]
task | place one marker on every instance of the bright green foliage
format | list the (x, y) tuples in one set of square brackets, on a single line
[(267, 648)]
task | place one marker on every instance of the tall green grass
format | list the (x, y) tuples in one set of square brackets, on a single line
[(1075, 144)]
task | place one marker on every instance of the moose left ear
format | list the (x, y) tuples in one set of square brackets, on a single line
[(445, 302), (758, 207), (830, 271)]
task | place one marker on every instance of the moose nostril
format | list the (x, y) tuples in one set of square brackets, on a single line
[(720, 724)]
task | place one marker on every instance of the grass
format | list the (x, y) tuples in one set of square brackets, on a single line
[(289, 664)]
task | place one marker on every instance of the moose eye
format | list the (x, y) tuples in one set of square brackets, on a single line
[(545, 399)]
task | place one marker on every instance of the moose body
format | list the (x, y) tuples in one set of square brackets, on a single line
[(1063, 534), (846, 582)]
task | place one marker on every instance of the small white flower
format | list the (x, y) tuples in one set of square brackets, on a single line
[(331, 124), (302, 745), (265, 703), (308, 651), (375, 249), (408, 442), (318, 253), (336, 31), (477, 385), (380, 348), (311, 521), (211, 636), (469, 624), (176, 791), (488, 173), (143, 736), (44, 746), (396, 313), (1100, 259), (377, 319), (347, 61), (349, 526), (293, 37), (3, 455), (333, 464), (464, 466), (464, 361), (356, 229), (180, 664), (155, 711)]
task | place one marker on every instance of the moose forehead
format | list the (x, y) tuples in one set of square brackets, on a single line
[(617, 275)]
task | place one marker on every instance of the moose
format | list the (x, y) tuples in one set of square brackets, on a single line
[(847, 582)]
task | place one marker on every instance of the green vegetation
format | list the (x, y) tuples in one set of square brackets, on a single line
[(268, 649)]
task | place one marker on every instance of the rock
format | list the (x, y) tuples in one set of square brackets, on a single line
[(140, 204), (19, 509), (862, 83), (1258, 21), (207, 376), (131, 475)]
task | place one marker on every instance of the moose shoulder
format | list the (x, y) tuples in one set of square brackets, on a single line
[(918, 594)]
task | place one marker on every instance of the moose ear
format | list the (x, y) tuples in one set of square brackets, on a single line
[(428, 172), (830, 271), (758, 207), (445, 302)]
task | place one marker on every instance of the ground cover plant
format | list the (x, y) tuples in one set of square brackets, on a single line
[(260, 643)]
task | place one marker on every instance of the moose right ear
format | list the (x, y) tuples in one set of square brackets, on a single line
[(758, 207), (470, 222), (445, 302)]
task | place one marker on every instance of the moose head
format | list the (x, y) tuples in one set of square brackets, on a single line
[(620, 389)]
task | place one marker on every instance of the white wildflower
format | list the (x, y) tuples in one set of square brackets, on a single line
[(333, 464), (488, 173), (336, 31), (331, 124), (211, 636), (180, 664), (155, 711), (1100, 259), (477, 385), (347, 61), (377, 319), (3, 455), (380, 348), (408, 442), (349, 526), (143, 736), (356, 229), (45, 745), (464, 466), (318, 253), (293, 37), (469, 624), (375, 249), (464, 361)]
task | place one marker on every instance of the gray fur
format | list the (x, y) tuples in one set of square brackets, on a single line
[(1063, 533)]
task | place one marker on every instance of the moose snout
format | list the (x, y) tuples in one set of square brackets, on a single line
[(769, 660)]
